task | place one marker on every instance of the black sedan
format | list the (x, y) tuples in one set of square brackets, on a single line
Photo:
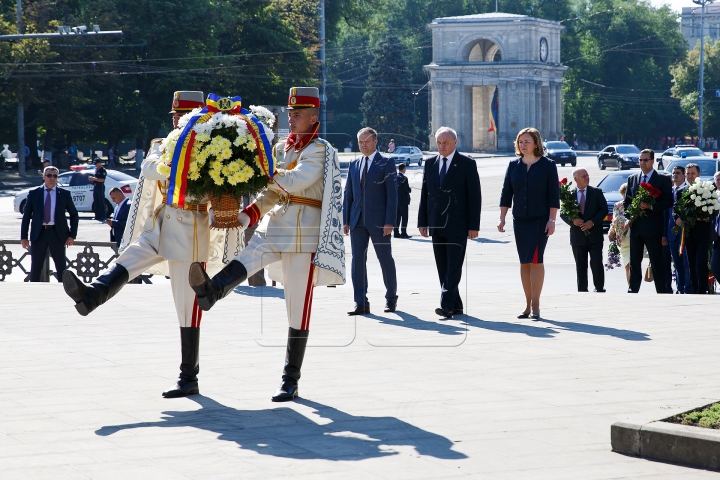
[(610, 186), (560, 152), (619, 156)]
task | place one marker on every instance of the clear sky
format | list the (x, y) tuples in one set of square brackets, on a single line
[(676, 5)]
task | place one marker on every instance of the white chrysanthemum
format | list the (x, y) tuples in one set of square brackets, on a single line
[(693, 196), (698, 202), (263, 114), (202, 137), (194, 176)]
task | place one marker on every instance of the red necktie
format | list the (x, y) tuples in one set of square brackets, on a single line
[(48, 205)]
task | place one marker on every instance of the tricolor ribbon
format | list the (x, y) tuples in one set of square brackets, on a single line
[(682, 241), (264, 148)]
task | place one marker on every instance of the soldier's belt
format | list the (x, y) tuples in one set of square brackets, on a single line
[(191, 207), (310, 202)]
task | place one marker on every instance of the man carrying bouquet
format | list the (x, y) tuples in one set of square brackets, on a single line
[(646, 229), (160, 239), (301, 232), (586, 232)]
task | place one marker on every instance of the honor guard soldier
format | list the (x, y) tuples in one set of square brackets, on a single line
[(302, 231), (161, 239)]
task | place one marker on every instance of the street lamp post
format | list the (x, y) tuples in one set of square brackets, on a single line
[(701, 83)]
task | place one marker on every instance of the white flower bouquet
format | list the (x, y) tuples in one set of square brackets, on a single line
[(698, 202)]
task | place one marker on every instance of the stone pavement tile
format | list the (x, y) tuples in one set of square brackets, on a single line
[(43, 473), (48, 459), (127, 469)]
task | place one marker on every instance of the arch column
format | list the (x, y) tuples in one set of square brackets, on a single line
[(504, 138), (552, 112), (436, 93), (559, 111)]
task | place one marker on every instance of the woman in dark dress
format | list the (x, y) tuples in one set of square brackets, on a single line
[(531, 188)]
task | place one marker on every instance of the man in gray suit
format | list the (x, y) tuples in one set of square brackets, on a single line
[(370, 213)]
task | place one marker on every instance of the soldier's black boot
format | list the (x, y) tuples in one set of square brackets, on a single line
[(187, 383), (88, 297), (210, 290), (297, 341)]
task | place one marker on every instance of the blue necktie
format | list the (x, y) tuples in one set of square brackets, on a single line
[(443, 170)]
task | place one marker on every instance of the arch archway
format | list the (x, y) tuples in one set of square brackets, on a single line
[(484, 50)]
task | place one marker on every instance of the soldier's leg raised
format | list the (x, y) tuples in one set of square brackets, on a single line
[(255, 256), (189, 317), (299, 277), (137, 258)]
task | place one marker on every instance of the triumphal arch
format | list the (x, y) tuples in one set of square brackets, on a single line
[(473, 55)]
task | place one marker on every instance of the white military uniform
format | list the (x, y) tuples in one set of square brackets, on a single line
[(291, 232), (165, 240)]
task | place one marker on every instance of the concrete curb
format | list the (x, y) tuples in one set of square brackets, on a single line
[(668, 442)]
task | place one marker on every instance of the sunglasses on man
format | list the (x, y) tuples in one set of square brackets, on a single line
[(51, 175)]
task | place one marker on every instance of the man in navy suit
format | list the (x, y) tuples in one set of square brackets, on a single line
[(450, 203), (672, 239), (647, 231), (593, 208), (369, 213), (44, 215), (122, 209), (403, 203)]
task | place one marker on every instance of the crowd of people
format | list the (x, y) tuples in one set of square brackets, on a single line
[(300, 219)]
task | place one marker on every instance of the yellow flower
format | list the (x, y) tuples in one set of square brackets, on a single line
[(216, 165), (194, 176), (226, 171), (234, 166), (249, 172), (224, 154), (202, 137), (251, 146), (219, 181), (164, 170), (232, 180), (238, 177)]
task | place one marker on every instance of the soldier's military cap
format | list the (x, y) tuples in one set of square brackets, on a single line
[(303, 97), (184, 102)]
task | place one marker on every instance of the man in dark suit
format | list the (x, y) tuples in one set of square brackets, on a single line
[(369, 213), (715, 258), (647, 231), (679, 260), (403, 203), (122, 209), (44, 215), (593, 208), (450, 203), (698, 241)]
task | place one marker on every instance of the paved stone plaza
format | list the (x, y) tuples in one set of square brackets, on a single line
[(392, 396)]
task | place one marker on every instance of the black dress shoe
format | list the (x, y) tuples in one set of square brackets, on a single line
[(443, 313), (524, 315), (406, 236), (599, 291), (390, 307), (458, 311), (535, 316), (360, 311)]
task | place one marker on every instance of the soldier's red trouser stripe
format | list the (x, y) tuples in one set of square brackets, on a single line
[(196, 311), (307, 307)]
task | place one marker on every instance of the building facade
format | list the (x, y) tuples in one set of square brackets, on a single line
[(690, 24), (474, 55)]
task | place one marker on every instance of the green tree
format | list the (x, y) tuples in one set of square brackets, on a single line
[(685, 81), (617, 87), (387, 103)]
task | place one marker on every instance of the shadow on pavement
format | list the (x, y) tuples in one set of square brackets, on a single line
[(262, 292), (283, 432), (630, 335)]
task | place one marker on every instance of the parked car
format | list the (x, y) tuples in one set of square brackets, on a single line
[(708, 166), (76, 181), (619, 156), (407, 155), (560, 152), (610, 186)]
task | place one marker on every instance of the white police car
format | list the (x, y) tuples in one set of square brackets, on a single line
[(81, 189)]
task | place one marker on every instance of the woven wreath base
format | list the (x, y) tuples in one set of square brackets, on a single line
[(225, 211)]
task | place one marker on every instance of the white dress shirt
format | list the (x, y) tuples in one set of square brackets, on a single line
[(368, 160), (447, 164), (118, 207)]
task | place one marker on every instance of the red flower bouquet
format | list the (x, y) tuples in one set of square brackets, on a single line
[(570, 206), (646, 194)]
